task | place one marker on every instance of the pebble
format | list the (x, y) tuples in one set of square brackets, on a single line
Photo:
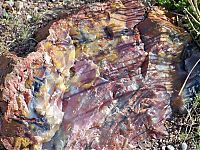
[(1, 9), (184, 146), (19, 5), (170, 147), (28, 17)]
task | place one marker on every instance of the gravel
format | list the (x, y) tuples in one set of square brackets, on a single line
[(170, 147), (184, 146), (19, 20)]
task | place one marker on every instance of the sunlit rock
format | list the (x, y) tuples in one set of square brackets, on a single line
[(102, 79)]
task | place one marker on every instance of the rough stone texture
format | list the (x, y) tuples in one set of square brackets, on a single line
[(103, 78), (165, 44), (190, 56)]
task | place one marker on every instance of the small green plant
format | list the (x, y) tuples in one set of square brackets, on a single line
[(177, 6), (197, 98), (197, 146), (183, 136), (196, 102), (198, 131), (25, 33), (7, 16), (193, 16), (191, 12)]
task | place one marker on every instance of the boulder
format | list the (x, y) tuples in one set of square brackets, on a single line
[(103, 78)]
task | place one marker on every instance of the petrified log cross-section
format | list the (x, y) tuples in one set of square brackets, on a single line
[(103, 78)]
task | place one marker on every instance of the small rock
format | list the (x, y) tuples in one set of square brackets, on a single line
[(183, 146), (1, 9), (19, 13), (28, 17), (36, 9), (170, 147), (163, 147), (19, 5)]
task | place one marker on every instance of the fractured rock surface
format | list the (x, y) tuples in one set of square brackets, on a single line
[(102, 79)]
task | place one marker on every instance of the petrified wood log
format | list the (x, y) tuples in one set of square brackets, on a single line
[(102, 79)]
